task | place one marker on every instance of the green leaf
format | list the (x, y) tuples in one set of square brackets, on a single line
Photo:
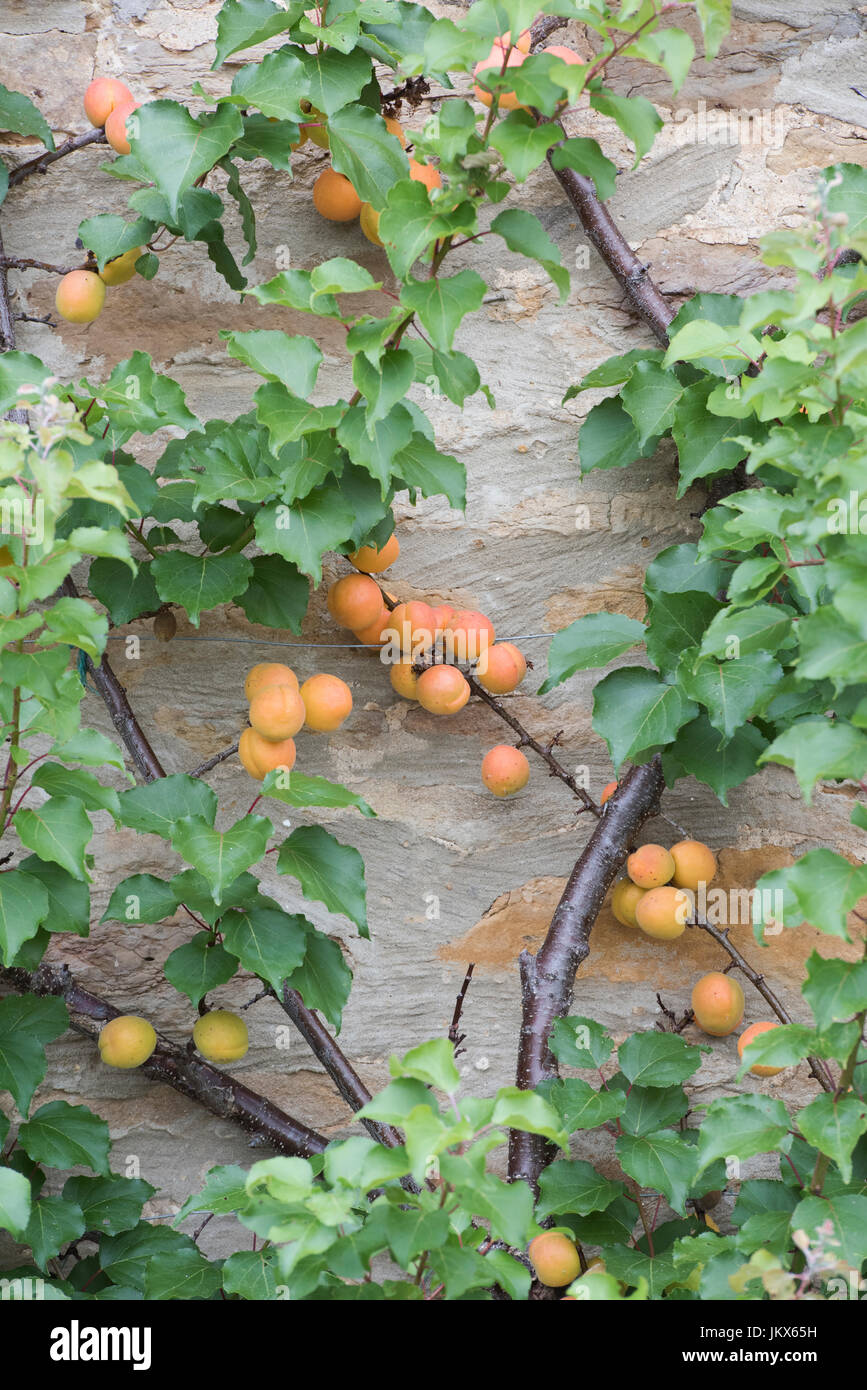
[(54, 1222), (304, 532), (572, 1185), (183, 1274), (14, 1203), (64, 1136), (89, 746), (199, 966), (657, 1059), (580, 1042), (220, 856), (328, 872), (650, 397), (829, 646), (277, 356), (838, 1222), (835, 989), (288, 417), (276, 595), (19, 115), (675, 625), (376, 452), (421, 465), (441, 303), (410, 223), (157, 807), (174, 149), (59, 830), (524, 234), (108, 235), (731, 691), (250, 1274), (300, 790), (524, 143), (636, 117), (529, 1111), (127, 1258), (364, 150), (266, 940), (60, 781), (649, 1108), (608, 438), (834, 1124), (68, 899), (19, 369), (138, 398), (589, 642), (819, 748), (664, 1162), (335, 79), (385, 385), (23, 906), (742, 1126), (579, 1105), (73, 620), (704, 443), (585, 157), (244, 23), (111, 1204), (141, 898), (635, 712), (431, 1062), (124, 597), (200, 582), (27, 1024), (275, 86), (701, 751), (764, 627), (323, 979), (715, 19), (824, 886)]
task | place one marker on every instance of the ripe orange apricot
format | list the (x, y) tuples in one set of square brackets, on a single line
[(334, 197), (624, 900), (394, 127), (748, 1036), (260, 756), (694, 864), (607, 791), (115, 126), (376, 633), (501, 668), (102, 96), (555, 1259), (663, 913), (355, 601), (650, 866), (493, 65), (368, 220), (443, 614), (522, 42), (277, 712), (268, 673), (404, 679), (126, 1042), (718, 1004), (425, 173), (442, 690), (505, 770), (470, 633), (121, 269), (566, 55), (372, 560), (413, 625), (80, 296), (221, 1036), (327, 700)]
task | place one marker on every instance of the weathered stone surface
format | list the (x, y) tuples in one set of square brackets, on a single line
[(441, 851)]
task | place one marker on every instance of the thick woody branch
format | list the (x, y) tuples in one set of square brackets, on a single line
[(40, 163), (182, 1070), (548, 978)]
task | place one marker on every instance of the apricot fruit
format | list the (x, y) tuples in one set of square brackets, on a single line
[(268, 673), (718, 1004), (394, 127), (608, 790), (404, 679), (505, 770), (442, 690), (260, 756), (334, 198), (624, 900), (470, 634), (566, 55), (650, 866), (413, 625), (504, 42), (115, 126), (102, 96), (501, 668), (376, 632), (80, 296), (747, 1036), (370, 559), (368, 220), (426, 174), (121, 269), (126, 1042), (555, 1259), (327, 700), (277, 712), (221, 1036), (355, 601), (493, 65), (443, 614), (663, 913), (694, 864)]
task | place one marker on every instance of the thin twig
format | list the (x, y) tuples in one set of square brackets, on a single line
[(39, 164), (455, 1037), (212, 762)]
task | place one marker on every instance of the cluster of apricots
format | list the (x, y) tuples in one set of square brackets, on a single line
[(128, 1041), (80, 296), (334, 197), (428, 644), (505, 55), (279, 707), (657, 897)]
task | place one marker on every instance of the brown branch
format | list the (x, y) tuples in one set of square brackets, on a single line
[(26, 263), (39, 164), (543, 29), (548, 979), (818, 1068), (179, 1068), (454, 1036), (212, 762)]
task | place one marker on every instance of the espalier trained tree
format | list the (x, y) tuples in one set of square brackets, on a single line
[(754, 638)]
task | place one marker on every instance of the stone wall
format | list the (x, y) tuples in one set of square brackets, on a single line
[(453, 874)]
